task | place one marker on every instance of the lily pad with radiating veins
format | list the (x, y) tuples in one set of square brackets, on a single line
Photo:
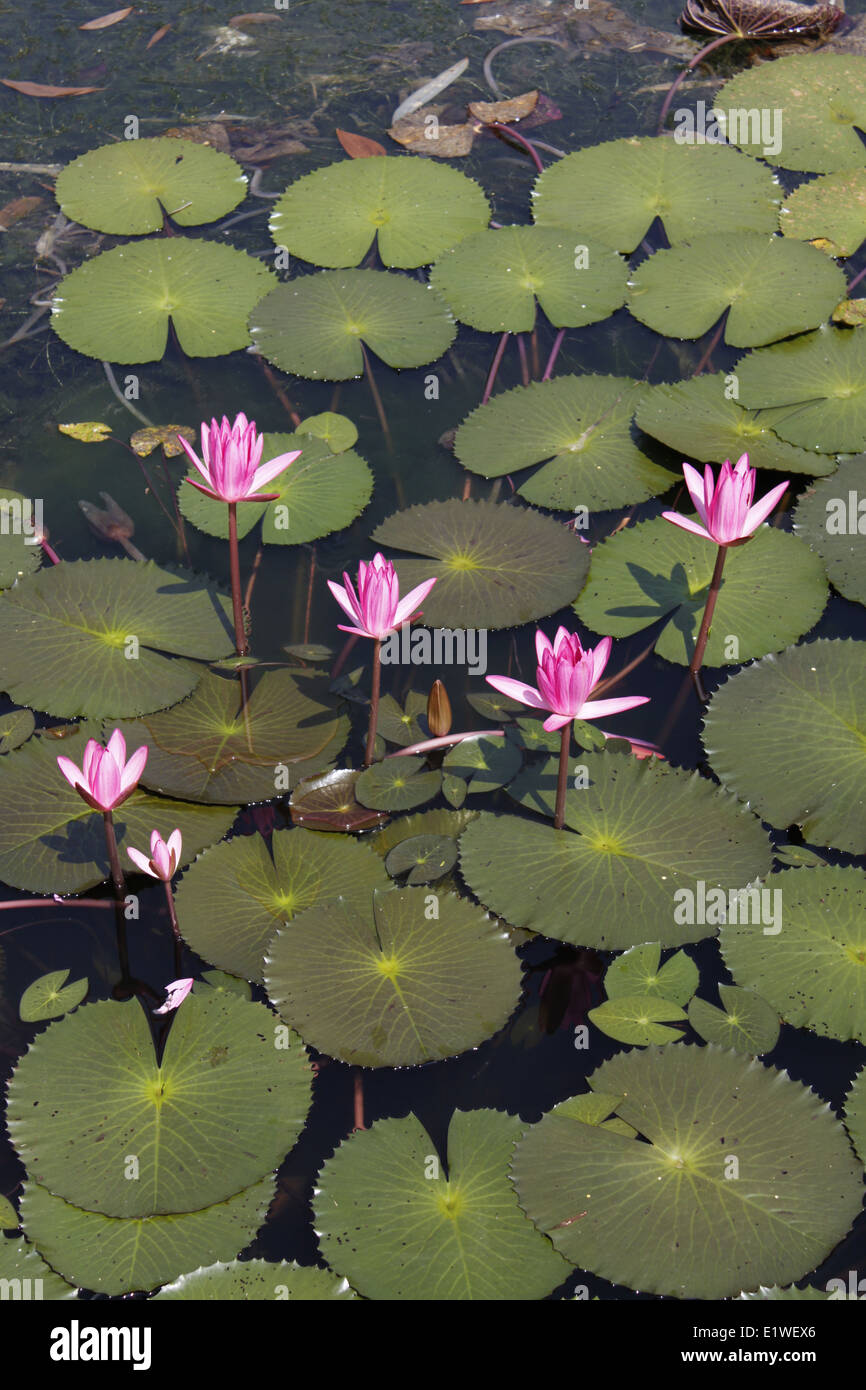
[(665, 1216), (582, 426), (47, 997), (483, 763), (494, 279), (639, 1019), (637, 971), (264, 1280), (830, 212), (491, 705), (789, 735), (315, 326), (812, 971), (20, 553), (403, 1225), (855, 1114), (801, 112), (453, 790), (220, 1111), (8, 1217), (52, 842), (21, 1260), (496, 564), (118, 305), (615, 191), (223, 981), (124, 188), (400, 725), (746, 1023), (232, 899), (398, 784), (771, 288), (316, 653), (426, 858), (329, 803), (773, 591), (440, 822), (415, 209), (116, 1256), (634, 839), (16, 727), (338, 431), (831, 518), (531, 734), (214, 749), (788, 1295), (702, 420), (100, 637), (391, 984), (319, 493), (812, 391)]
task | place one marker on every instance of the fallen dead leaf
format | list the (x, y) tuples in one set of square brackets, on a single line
[(414, 134), (213, 134), (41, 89), (106, 20), (88, 431), (159, 34), (143, 442), (850, 311), (358, 146), (514, 109), (266, 149), (240, 21), (18, 208)]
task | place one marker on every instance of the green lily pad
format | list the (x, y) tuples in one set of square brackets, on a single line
[(219, 1113), (453, 790), (425, 857), (15, 729), (819, 98), (440, 822), (789, 735), (402, 1225), (772, 288), (829, 211), (261, 1280), (615, 191), (817, 384), (52, 842), (817, 979), (211, 748), (532, 735), (221, 980), (92, 637), (123, 188), (652, 1213), (582, 425), (497, 565), (115, 1256), (46, 997), (8, 1217), (118, 305), (789, 1294), (398, 784), (638, 1019), (314, 326), (697, 418), (493, 279), (20, 555), (414, 208), (855, 1114), (232, 899), (773, 591), (338, 432), (329, 803), (483, 763), (321, 492), (400, 725), (491, 704), (831, 518), (637, 972), (19, 1260), (636, 837), (747, 1023)]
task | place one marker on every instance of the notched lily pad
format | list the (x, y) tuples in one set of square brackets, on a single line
[(47, 997), (329, 803), (425, 857), (398, 784)]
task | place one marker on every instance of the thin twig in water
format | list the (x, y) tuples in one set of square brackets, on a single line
[(112, 381), (377, 399), (487, 68)]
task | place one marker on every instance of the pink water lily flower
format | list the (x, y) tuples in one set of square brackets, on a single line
[(230, 463), (177, 992), (164, 856), (725, 508), (377, 608), (105, 778), (566, 677)]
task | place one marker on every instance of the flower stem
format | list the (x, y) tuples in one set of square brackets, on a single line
[(119, 885), (701, 644), (562, 781), (241, 646), (178, 944), (374, 704)]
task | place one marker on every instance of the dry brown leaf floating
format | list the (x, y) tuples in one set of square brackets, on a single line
[(106, 20), (18, 208), (413, 133), (240, 21), (155, 37), (143, 442), (358, 146), (504, 112), (41, 89)]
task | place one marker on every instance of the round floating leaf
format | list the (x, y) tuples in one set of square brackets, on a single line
[(220, 1111), (814, 101), (52, 842), (855, 1114), (398, 784), (790, 1294), (637, 972), (232, 899), (329, 803), (772, 288), (123, 188), (667, 1216), (812, 972), (483, 763), (426, 857), (697, 419), (830, 211), (20, 555), (314, 327), (15, 729), (644, 832), (257, 1280), (46, 997), (389, 986), (831, 518), (491, 705), (818, 383), (773, 590), (401, 725), (638, 1019), (497, 565), (398, 1233), (8, 1217), (338, 432), (615, 191), (453, 789), (212, 748), (747, 1023), (583, 425), (113, 1256), (789, 735), (440, 822), (221, 980), (414, 208), (493, 279), (19, 1260), (91, 637)]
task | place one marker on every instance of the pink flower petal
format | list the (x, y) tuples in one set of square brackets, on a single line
[(517, 690), (597, 709), (687, 525)]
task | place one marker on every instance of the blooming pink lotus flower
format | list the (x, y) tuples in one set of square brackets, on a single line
[(377, 609), (566, 677), (105, 778), (725, 507), (177, 992), (164, 856), (231, 467)]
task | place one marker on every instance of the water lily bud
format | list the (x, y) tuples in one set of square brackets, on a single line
[(439, 711)]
